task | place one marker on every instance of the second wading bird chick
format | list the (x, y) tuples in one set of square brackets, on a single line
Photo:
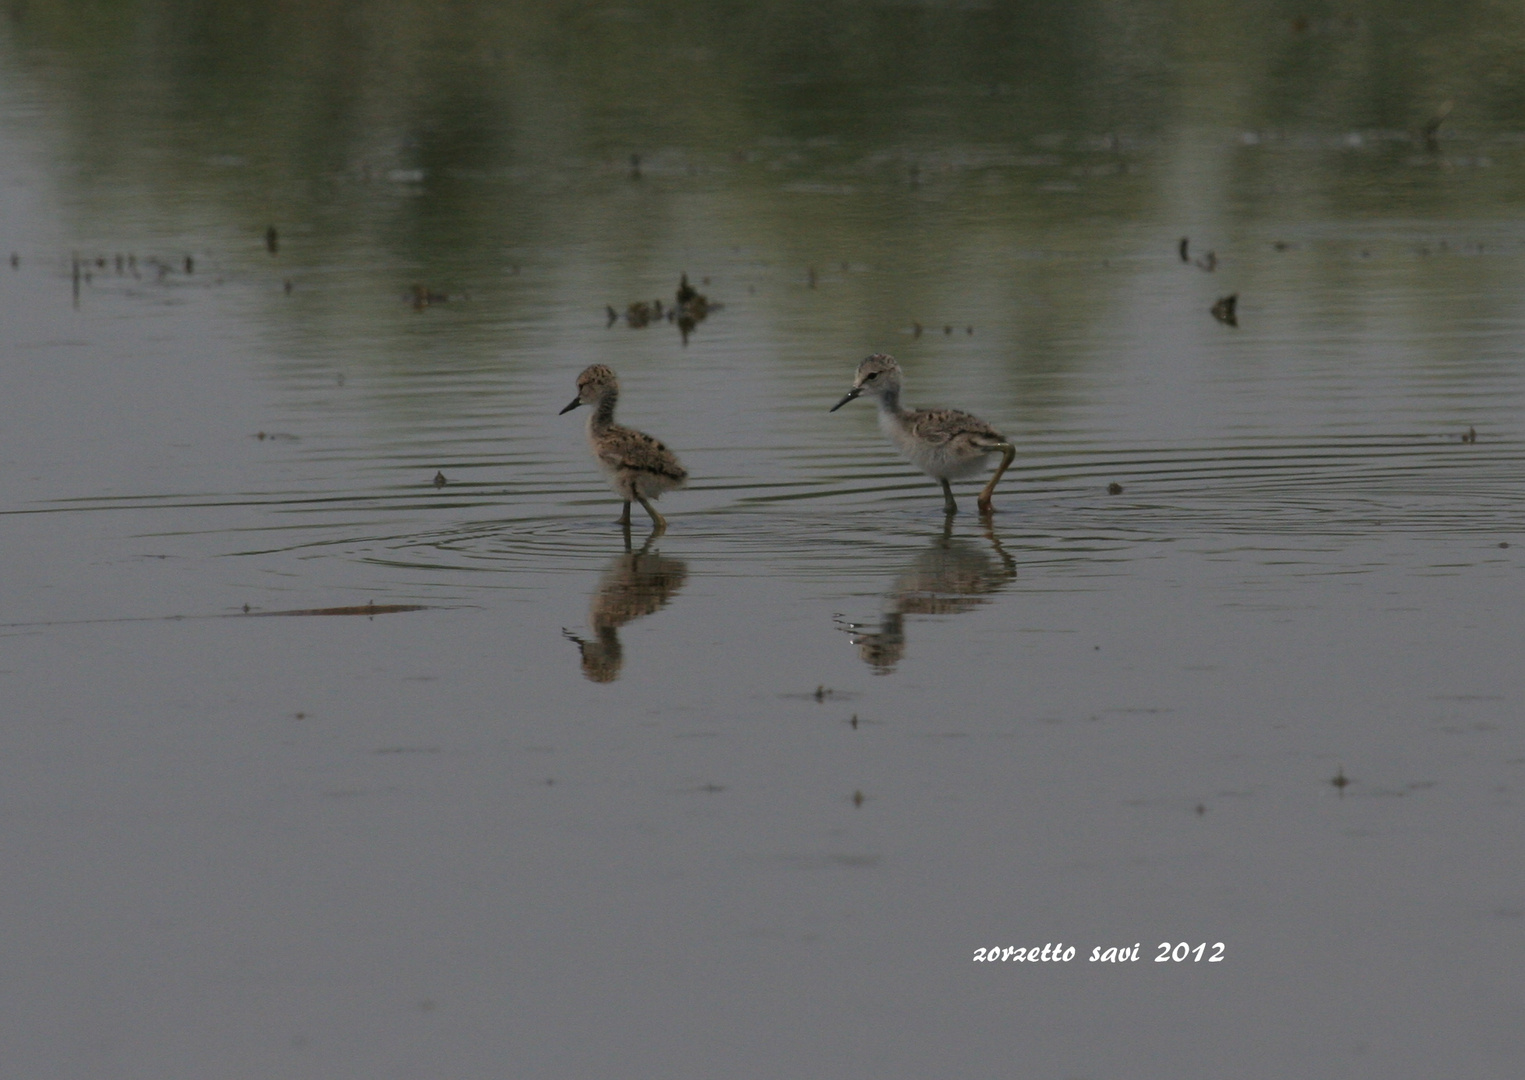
[(943, 443), (638, 467)]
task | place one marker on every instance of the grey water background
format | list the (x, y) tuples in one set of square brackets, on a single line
[(745, 800)]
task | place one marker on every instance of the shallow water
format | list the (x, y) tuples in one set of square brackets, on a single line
[(510, 794)]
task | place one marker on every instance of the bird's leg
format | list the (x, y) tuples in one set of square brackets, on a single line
[(1007, 453), (625, 517), (949, 506), (659, 523)]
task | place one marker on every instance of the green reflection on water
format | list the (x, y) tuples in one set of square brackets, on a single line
[(990, 165)]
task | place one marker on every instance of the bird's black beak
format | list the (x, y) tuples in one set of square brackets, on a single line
[(854, 392), (575, 402)]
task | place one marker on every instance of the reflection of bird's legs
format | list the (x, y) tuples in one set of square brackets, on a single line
[(949, 506), (1007, 453), (659, 523), (948, 513), (995, 542)]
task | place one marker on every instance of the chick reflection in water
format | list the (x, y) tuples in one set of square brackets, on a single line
[(634, 584), (953, 575)]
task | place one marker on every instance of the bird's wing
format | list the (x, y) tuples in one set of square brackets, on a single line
[(637, 450), (939, 426)]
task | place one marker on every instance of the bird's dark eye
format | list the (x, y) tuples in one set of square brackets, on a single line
[(871, 376)]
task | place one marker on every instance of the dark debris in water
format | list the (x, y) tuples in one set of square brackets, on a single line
[(822, 694), (1225, 310), (421, 296), (94, 271), (689, 308), (1430, 132), (917, 329), (368, 609)]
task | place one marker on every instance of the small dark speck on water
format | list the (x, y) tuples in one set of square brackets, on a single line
[(439, 479), (299, 716), (821, 693), (15, 260), (857, 798), (947, 329), (246, 609), (1470, 436), (1114, 488), (421, 296), (288, 286), (635, 166), (1182, 248), (272, 240), (1503, 543), (1201, 809), (190, 265), (854, 721), (1340, 780)]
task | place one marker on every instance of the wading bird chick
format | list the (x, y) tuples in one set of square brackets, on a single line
[(638, 467), (943, 443)]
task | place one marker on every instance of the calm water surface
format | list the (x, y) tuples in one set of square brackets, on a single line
[(744, 799)]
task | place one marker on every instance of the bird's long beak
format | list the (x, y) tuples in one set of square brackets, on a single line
[(854, 392), (575, 402)]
